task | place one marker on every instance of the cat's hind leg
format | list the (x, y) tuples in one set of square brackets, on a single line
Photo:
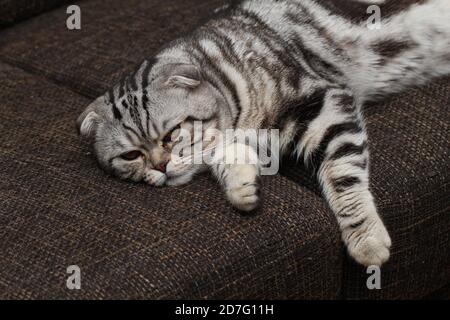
[(336, 144)]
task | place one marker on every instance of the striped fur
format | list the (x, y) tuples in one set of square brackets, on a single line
[(294, 65)]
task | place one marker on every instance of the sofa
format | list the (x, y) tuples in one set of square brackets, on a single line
[(133, 241)]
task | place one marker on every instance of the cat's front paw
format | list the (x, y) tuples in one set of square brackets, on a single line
[(371, 246), (242, 187)]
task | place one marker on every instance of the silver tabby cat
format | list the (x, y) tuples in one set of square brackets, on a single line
[(291, 65)]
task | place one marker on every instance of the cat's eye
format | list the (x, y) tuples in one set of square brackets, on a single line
[(168, 137), (132, 155)]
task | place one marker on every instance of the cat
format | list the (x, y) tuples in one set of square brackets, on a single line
[(291, 65)]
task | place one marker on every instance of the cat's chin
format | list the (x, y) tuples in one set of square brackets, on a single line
[(179, 180), (159, 179), (180, 176), (155, 178)]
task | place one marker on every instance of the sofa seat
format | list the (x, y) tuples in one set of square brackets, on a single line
[(134, 241)]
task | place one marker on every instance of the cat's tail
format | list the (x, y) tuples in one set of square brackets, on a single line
[(407, 49)]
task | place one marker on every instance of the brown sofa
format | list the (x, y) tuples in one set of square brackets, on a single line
[(57, 208)]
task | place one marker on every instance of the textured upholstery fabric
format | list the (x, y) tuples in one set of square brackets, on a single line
[(441, 294), (12, 11), (130, 240), (115, 36)]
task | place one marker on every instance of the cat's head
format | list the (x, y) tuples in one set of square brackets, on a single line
[(136, 125)]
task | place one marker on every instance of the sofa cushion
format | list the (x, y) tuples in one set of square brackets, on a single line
[(115, 36), (12, 11), (136, 241), (409, 139)]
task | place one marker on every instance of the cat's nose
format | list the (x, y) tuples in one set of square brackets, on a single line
[(162, 167)]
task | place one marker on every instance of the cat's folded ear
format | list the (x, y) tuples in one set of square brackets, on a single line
[(183, 76), (88, 121)]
